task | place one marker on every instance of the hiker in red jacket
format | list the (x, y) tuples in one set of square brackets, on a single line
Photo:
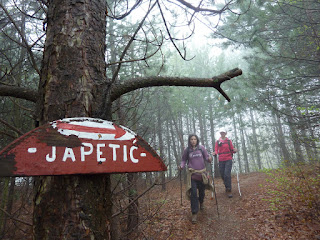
[(225, 150)]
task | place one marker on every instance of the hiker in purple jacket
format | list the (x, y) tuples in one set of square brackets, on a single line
[(194, 156)]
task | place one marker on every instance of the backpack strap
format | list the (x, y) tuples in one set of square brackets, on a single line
[(190, 151), (228, 145)]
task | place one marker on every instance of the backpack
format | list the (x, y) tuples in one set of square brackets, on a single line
[(228, 144)]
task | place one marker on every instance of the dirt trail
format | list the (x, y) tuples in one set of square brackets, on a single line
[(230, 224), (233, 222)]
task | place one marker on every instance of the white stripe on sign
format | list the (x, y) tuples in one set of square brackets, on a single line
[(32, 150)]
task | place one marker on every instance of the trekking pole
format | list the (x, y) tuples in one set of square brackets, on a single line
[(214, 188), (237, 169), (238, 182), (180, 172)]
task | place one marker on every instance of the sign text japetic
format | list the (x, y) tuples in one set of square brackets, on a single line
[(78, 146)]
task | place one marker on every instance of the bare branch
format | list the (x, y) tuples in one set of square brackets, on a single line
[(199, 9), (170, 37), (140, 195), (137, 3), (19, 92), (119, 89), (26, 45), (114, 77), (15, 219), (12, 127)]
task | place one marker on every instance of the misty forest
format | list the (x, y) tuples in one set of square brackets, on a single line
[(166, 69)]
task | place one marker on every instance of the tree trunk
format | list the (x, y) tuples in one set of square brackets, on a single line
[(9, 202), (255, 139), (193, 121), (204, 139), (175, 147), (304, 138), (179, 133), (244, 148), (236, 144), (73, 207), (295, 140), (216, 172), (169, 150), (202, 131), (133, 214), (3, 203), (160, 139), (282, 144)]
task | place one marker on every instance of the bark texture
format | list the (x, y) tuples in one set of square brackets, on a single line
[(73, 62), (72, 207)]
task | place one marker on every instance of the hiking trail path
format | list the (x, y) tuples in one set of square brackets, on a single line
[(237, 215)]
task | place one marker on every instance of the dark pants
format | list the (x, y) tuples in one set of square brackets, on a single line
[(194, 199), (225, 171)]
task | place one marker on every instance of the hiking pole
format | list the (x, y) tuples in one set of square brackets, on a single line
[(215, 196), (237, 170), (238, 182), (214, 187), (180, 172)]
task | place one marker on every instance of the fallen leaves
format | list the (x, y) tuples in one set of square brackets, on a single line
[(245, 218)]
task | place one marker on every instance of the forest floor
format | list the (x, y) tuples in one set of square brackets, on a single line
[(240, 218)]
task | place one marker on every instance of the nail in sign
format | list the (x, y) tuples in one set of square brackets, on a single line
[(78, 146)]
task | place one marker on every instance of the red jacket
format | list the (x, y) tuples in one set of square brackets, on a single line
[(223, 150)]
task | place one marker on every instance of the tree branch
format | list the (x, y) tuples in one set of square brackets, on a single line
[(119, 89), (19, 92), (12, 127), (199, 9), (24, 40), (15, 219)]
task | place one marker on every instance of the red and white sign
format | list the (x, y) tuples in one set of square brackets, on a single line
[(78, 146)]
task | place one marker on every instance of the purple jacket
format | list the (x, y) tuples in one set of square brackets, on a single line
[(196, 160)]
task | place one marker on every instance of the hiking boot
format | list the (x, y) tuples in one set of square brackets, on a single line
[(194, 218), (229, 193), (201, 206)]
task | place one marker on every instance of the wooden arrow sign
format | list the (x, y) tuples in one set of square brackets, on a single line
[(78, 146)]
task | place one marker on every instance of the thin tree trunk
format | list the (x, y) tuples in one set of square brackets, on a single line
[(255, 139), (3, 204), (193, 121), (9, 203), (236, 142), (295, 140), (215, 173), (169, 150), (202, 131), (312, 139), (305, 139), (175, 147), (160, 137), (279, 132), (179, 133), (244, 148), (133, 214)]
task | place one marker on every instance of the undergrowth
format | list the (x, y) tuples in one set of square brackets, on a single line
[(294, 192)]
